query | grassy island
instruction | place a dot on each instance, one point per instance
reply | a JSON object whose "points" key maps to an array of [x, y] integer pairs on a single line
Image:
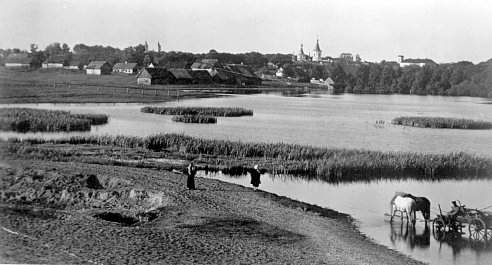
{"points": [[40, 120], [195, 119], [209, 111], [442, 123]]}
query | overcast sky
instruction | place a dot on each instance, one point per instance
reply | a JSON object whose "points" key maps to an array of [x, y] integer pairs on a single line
{"points": [[443, 30]]}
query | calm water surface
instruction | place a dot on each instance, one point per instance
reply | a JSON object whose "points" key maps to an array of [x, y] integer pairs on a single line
{"points": [[340, 121], [368, 203]]}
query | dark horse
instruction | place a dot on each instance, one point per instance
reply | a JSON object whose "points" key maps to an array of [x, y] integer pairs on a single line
{"points": [[422, 204]]}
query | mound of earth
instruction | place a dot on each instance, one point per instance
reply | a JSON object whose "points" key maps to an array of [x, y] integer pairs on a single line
{"points": [[80, 191]]}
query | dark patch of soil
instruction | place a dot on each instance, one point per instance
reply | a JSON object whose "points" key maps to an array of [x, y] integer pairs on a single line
{"points": [[117, 218]]}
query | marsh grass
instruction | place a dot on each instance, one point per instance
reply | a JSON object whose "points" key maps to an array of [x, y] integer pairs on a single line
{"points": [[39, 120], [333, 165], [195, 119], [206, 111], [442, 123]]}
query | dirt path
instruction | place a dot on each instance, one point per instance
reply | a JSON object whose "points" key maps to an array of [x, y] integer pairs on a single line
{"points": [[220, 223]]}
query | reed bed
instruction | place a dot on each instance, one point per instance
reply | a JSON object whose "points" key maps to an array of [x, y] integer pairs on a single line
{"points": [[332, 165], [39, 120], [207, 111], [195, 119], [442, 123]]}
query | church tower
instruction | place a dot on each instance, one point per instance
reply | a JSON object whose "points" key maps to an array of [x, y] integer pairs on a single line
{"points": [[301, 56], [317, 52]]}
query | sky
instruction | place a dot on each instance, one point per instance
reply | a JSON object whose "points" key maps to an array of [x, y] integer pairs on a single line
{"points": [[443, 30]]}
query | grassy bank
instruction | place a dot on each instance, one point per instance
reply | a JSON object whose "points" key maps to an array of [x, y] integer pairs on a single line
{"points": [[39, 120], [195, 119], [208, 111], [332, 165], [442, 123]]}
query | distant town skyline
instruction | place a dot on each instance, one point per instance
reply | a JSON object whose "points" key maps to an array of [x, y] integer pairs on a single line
{"points": [[445, 31]]}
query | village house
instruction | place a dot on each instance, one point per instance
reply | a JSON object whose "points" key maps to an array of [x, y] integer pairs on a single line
{"points": [[98, 68], [18, 61], [54, 62], [200, 76], [154, 76], [210, 65], [126, 68], [413, 62], [75, 64], [224, 77], [243, 74], [180, 76]]}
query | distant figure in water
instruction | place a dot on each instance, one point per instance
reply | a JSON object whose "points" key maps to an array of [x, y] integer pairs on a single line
{"points": [[190, 172], [255, 177]]}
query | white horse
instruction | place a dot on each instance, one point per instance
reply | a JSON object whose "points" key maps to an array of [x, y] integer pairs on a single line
{"points": [[403, 205]]}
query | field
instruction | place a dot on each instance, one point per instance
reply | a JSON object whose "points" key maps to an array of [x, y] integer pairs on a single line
{"points": [[39, 120], [442, 123], [64, 86]]}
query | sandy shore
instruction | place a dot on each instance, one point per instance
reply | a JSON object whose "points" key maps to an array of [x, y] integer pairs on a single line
{"points": [[220, 223]]}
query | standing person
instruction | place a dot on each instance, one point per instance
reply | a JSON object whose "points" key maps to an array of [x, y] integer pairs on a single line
{"points": [[190, 172], [255, 177]]}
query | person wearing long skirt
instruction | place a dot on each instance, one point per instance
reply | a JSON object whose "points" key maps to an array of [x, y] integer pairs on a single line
{"points": [[190, 172], [255, 177]]}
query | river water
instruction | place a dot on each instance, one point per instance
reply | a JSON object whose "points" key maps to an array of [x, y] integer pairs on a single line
{"points": [[336, 121]]}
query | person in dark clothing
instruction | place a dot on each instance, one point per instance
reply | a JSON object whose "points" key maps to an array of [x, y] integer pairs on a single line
{"points": [[255, 177], [190, 172]]}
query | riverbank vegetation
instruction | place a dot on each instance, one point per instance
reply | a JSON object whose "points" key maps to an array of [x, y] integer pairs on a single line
{"points": [[206, 111], [441, 123], [332, 165], [40, 120], [195, 119]]}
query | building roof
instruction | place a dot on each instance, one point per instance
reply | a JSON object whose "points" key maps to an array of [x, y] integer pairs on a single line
{"points": [[20, 58], [425, 61], [242, 70], [123, 66], [316, 48], [200, 74], [205, 64], [96, 64], [154, 72], [180, 73], [59, 58]]}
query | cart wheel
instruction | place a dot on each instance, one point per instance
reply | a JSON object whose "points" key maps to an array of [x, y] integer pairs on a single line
{"points": [[478, 230], [438, 229]]}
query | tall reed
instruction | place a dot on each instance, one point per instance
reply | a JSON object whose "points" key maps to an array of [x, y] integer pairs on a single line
{"points": [[440, 123], [195, 119], [39, 120], [210, 111]]}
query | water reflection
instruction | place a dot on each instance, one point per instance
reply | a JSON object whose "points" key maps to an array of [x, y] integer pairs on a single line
{"points": [[367, 202], [408, 234]]}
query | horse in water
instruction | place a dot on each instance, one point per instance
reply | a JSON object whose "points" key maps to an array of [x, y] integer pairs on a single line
{"points": [[422, 204], [403, 205]]}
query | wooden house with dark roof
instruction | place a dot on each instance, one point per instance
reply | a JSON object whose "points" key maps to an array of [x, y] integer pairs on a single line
{"points": [[244, 74], [54, 62], [153, 76], [18, 61], [126, 68], [181, 76], [224, 77], [200, 76], [210, 65], [98, 68]]}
